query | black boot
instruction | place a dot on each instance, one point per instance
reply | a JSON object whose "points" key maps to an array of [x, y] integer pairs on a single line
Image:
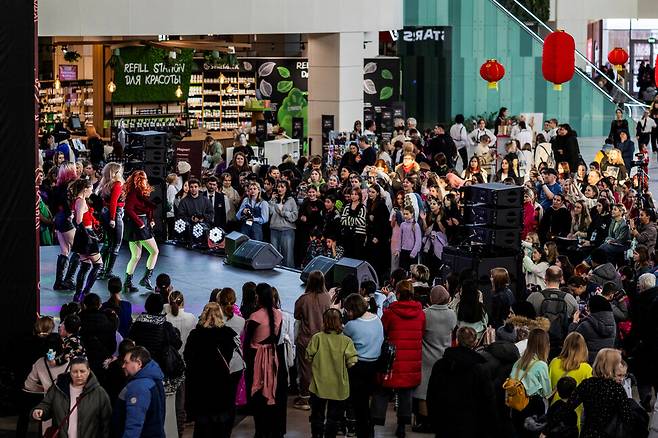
{"points": [[74, 262], [106, 272], [400, 431], [128, 285], [105, 253], [91, 278], [146, 279], [80, 281], [62, 262]]}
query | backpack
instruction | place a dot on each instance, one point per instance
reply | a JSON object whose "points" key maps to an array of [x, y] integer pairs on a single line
{"points": [[516, 396], [555, 309]]}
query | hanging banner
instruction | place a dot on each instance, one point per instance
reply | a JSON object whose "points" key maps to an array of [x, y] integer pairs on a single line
{"points": [[381, 90], [148, 74]]}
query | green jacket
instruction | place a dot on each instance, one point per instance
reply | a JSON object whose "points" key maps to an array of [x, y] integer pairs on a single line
{"points": [[94, 410], [330, 355]]}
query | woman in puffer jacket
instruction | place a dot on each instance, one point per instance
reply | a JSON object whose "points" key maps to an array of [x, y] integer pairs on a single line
{"points": [[598, 328], [404, 324]]}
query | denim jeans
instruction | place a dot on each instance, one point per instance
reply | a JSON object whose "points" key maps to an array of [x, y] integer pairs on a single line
{"points": [[113, 236], [254, 231], [284, 242]]}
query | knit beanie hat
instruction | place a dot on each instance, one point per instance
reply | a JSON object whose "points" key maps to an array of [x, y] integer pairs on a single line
{"points": [[439, 295]]}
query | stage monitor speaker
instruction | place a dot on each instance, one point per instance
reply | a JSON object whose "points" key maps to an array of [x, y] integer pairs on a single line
{"points": [[481, 214], [254, 254], [508, 238], [155, 155], [232, 241], [322, 264], [362, 270], [495, 195], [156, 170], [149, 140], [159, 198]]}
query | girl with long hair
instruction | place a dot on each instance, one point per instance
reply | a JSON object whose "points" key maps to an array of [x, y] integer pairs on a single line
{"points": [[64, 229], [283, 215], [470, 310], [139, 229], [111, 192], [580, 220], [378, 231], [531, 369], [353, 225], [238, 165], [85, 242], [253, 213], [266, 373]]}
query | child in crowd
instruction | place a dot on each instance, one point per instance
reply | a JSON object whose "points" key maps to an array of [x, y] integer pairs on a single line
{"points": [[330, 353], [373, 297], [71, 345], [562, 422], [410, 241], [163, 286]]}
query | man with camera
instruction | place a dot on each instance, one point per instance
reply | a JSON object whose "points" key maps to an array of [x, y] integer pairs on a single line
{"points": [[195, 209]]}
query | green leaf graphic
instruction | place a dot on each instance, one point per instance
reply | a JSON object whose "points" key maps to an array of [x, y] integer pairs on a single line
{"points": [[284, 86], [386, 74], [386, 93], [283, 72]]}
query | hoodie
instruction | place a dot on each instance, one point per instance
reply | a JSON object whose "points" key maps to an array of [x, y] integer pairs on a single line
{"points": [[140, 409], [404, 324], [601, 274], [599, 331]]}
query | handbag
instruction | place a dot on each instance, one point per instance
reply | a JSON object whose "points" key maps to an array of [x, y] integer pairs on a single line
{"points": [[386, 359], [53, 431], [173, 363], [616, 428]]}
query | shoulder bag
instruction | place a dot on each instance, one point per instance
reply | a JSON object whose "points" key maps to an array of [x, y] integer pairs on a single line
{"points": [[53, 431]]}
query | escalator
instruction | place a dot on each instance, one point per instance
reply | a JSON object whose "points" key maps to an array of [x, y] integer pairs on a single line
{"points": [[615, 95]]}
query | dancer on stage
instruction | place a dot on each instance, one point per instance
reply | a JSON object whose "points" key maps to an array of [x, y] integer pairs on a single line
{"points": [[111, 192], [139, 232], [64, 229], [86, 241]]}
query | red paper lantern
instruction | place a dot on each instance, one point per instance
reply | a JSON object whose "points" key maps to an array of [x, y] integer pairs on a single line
{"points": [[558, 62], [618, 57], [656, 71], [492, 71]]}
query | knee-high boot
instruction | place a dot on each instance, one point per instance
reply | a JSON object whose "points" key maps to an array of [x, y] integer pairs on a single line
{"points": [[62, 262], [106, 272], [80, 281], [74, 262], [91, 278]]}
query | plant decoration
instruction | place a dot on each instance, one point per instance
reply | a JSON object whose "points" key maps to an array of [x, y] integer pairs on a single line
{"points": [[115, 60], [489, 118], [216, 59], [71, 56], [369, 86]]}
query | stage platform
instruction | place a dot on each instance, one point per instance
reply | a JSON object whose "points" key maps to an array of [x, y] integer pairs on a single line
{"points": [[194, 273]]}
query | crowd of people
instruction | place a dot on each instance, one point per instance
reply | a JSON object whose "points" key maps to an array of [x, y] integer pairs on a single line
{"points": [[568, 353]]}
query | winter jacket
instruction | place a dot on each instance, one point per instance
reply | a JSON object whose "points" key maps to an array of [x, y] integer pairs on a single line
{"points": [[618, 233], [601, 274], [460, 396], [440, 321], [404, 324], [155, 333], [501, 303], [98, 336], [353, 221], [411, 238], [94, 410], [140, 409], [599, 330], [565, 148], [283, 216], [499, 358], [508, 332], [207, 389]]}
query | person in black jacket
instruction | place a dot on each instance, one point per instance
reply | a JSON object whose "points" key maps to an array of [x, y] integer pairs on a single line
{"points": [[460, 394], [499, 359], [618, 125], [556, 221], [97, 333], [152, 331], [565, 146], [209, 385], [115, 377], [378, 231]]}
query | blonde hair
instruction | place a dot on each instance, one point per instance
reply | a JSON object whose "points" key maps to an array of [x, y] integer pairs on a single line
{"points": [[112, 173], [574, 352], [538, 345], [212, 316], [534, 237], [606, 363]]}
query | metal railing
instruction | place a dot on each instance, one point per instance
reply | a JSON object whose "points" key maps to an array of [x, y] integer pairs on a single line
{"points": [[633, 107]]}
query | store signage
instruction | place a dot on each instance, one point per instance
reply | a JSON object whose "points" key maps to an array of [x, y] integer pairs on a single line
{"points": [[414, 34], [148, 74], [68, 72]]}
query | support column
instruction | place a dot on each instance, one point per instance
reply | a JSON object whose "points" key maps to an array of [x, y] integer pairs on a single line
{"points": [[335, 82]]}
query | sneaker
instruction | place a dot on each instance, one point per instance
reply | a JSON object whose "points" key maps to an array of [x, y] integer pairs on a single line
{"points": [[341, 431], [301, 404], [351, 432]]}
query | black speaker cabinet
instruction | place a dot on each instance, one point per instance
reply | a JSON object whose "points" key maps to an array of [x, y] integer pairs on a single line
{"points": [[155, 155], [362, 270], [254, 254], [495, 195], [155, 170], [159, 198], [508, 238], [322, 264], [232, 241], [481, 214], [149, 140]]}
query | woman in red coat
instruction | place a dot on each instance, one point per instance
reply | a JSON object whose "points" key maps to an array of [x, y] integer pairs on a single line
{"points": [[404, 324]]}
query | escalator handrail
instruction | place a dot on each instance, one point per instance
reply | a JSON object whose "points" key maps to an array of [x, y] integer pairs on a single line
{"points": [[631, 101]]}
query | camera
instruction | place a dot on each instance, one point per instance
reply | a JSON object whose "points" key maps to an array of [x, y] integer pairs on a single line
{"points": [[640, 159]]}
